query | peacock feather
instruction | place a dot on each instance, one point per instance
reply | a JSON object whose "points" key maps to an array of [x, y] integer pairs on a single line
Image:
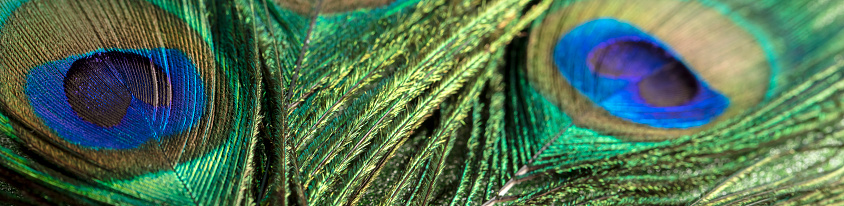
{"points": [[421, 102]]}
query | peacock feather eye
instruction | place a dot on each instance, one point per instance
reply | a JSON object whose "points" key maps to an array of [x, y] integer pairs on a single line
{"points": [[136, 96], [634, 76], [642, 70], [121, 89], [117, 99]]}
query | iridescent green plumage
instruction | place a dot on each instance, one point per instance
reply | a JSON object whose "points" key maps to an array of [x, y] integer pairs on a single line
{"points": [[429, 103]]}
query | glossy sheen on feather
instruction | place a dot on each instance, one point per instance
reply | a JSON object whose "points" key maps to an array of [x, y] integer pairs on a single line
{"points": [[421, 102]]}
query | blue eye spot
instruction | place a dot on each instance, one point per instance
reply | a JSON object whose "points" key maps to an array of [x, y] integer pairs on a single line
{"points": [[634, 76], [117, 99]]}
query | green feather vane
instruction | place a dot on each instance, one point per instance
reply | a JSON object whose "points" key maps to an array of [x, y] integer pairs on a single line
{"points": [[421, 102]]}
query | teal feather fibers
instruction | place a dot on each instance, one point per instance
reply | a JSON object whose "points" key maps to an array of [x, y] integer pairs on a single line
{"points": [[430, 102]]}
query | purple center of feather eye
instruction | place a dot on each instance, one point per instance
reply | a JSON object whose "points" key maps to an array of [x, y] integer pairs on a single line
{"points": [[634, 76], [100, 88], [663, 80]]}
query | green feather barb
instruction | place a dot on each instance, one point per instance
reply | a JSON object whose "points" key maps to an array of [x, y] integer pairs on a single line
{"points": [[421, 102]]}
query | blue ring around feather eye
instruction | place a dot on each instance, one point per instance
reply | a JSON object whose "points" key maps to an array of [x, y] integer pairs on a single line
{"points": [[141, 123], [638, 57]]}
